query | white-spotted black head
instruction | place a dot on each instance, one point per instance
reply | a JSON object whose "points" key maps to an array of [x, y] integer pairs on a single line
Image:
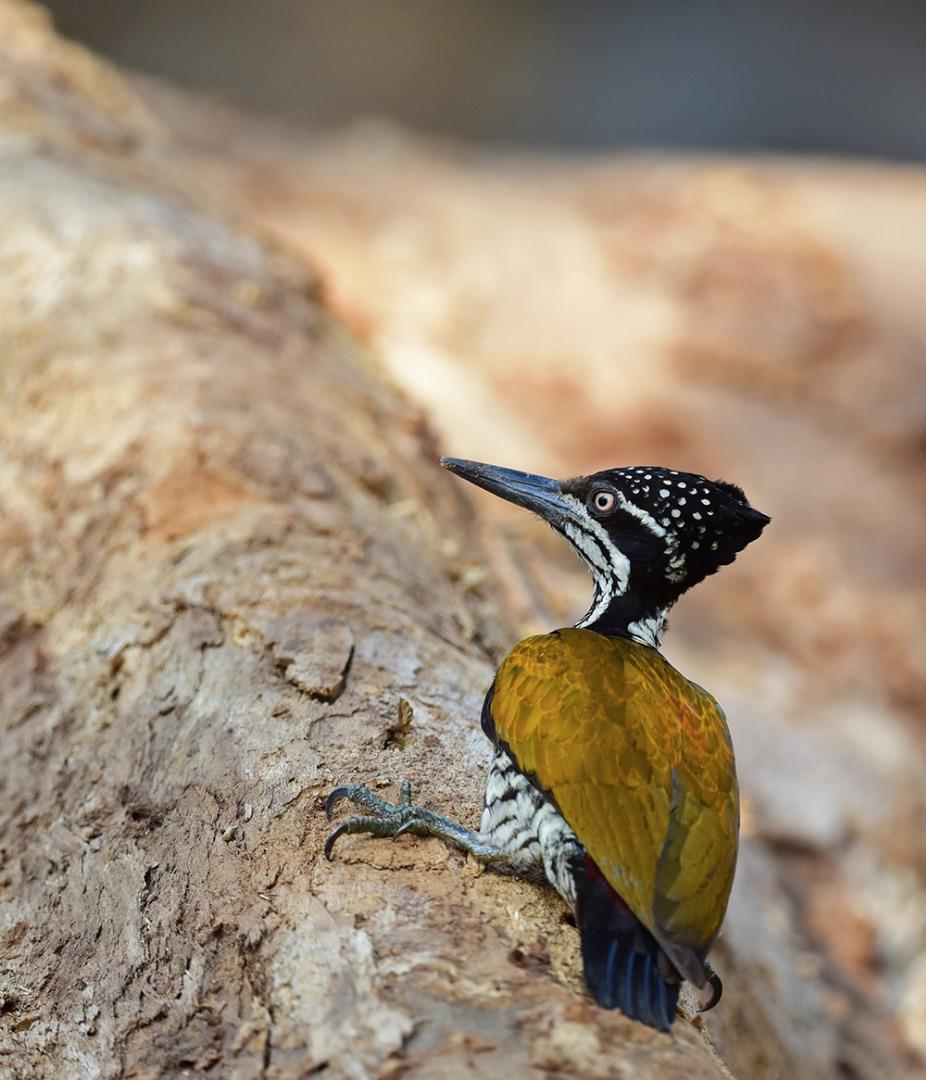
{"points": [[647, 534]]}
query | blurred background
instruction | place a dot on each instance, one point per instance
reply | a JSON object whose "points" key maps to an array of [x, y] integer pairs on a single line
{"points": [[822, 77], [619, 233]]}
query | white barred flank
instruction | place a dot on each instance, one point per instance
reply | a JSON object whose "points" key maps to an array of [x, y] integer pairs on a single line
{"points": [[518, 819]]}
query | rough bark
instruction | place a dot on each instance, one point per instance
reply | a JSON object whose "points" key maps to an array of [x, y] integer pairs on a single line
{"points": [[232, 577]]}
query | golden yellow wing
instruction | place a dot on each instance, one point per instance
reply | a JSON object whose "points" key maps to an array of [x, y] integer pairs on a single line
{"points": [[639, 762]]}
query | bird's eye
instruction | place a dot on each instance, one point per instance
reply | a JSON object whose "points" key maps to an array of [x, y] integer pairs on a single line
{"points": [[603, 501]]}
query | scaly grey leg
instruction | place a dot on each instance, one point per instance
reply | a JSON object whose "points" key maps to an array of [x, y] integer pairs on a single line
{"points": [[386, 819]]}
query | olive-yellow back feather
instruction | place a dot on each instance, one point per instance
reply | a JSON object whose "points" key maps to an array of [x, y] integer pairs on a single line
{"points": [[639, 762]]}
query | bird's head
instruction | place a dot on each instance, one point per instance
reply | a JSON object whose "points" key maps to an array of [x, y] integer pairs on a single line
{"points": [[647, 534]]}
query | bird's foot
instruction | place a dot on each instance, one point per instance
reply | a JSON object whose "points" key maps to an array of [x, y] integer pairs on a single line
{"points": [[384, 818]]}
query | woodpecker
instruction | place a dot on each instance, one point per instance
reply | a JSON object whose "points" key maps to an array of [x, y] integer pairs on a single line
{"points": [[610, 769]]}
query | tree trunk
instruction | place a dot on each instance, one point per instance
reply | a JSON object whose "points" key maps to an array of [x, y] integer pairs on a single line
{"points": [[231, 581], [233, 576]]}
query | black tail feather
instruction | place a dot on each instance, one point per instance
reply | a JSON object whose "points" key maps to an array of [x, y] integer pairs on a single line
{"points": [[621, 957]]}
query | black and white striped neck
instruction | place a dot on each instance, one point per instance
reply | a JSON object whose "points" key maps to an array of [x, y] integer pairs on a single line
{"points": [[616, 609], [624, 616]]}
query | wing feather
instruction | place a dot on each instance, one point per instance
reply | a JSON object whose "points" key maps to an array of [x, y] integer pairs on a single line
{"points": [[639, 762]]}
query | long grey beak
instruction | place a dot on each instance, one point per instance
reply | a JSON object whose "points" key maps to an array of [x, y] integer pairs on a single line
{"points": [[538, 493]]}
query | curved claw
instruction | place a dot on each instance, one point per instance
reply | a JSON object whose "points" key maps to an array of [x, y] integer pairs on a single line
{"points": [[332, 837], [406, 826], [334, 798], [716, 985]]}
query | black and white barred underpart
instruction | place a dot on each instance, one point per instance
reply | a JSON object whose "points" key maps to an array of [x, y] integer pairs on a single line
{"points": [[519, 820], [623, 963]]}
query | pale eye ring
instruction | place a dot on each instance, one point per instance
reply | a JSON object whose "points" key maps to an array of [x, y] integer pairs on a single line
{"points": [[603, 501]]}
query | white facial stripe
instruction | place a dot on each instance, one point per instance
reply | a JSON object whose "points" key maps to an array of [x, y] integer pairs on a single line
{"points": [[591, 536], [641, 515], [587, 546], [610, 567], [596, 611]]}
